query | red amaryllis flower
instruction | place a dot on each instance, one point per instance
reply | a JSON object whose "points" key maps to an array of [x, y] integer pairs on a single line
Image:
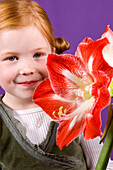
{"points": [[76, 90]]}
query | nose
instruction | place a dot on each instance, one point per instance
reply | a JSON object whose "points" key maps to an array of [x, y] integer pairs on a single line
{"points": [[27, 68], [26, 72]]}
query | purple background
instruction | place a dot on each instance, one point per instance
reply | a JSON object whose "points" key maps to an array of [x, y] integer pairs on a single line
{"points": [[74, 20]]}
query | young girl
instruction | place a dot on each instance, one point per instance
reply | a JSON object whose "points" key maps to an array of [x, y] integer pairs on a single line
{"points": [[27, 134]]}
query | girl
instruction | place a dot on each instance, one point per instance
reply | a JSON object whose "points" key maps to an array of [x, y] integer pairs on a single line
{"points": [[27, 134]]}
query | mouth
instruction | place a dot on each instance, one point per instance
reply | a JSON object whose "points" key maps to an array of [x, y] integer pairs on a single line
{"points": [[28, 83]]}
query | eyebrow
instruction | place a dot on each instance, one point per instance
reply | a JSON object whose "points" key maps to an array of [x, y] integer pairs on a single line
{"points": [[7, 53], [16, 53], [41, 48]]}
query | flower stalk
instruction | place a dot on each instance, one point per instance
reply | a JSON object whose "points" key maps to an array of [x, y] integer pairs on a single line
{"points": [[107, 148]]}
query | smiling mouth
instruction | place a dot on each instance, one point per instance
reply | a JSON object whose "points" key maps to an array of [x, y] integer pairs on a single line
{"points": [[28, 83]]}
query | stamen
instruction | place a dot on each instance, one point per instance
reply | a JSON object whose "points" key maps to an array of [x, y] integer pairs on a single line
{"points": [[60, 111], [53, 113], [65, 111], [60, 108]]}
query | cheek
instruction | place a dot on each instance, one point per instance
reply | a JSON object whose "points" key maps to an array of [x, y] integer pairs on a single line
{"points": [[45, 72], [5, 77], [4, 80], [42, 68]]}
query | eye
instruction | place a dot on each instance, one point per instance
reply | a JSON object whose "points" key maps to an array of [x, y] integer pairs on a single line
{"points": [[13, 58], [37, 55]]}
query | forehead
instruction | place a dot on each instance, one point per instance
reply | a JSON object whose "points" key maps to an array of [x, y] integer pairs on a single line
{"points": [[29, 36]]}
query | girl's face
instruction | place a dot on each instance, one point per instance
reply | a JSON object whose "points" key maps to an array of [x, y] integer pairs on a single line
{"points": [[23, 55]]}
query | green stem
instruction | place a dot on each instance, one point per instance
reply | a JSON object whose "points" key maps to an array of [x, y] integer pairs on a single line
{"points": [[106, 150]]}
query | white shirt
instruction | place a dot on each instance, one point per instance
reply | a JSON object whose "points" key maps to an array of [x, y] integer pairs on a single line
{"points": [[36, 123], [91, 149]]}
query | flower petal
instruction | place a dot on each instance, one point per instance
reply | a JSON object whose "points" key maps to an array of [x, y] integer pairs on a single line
{"points": [[108, 34], [101, 79], [91, 52], [65, 134], [50, 102], [102, 99], [93, 123], [108, 50], [108, 54], [70, 129], [65, 73]]}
